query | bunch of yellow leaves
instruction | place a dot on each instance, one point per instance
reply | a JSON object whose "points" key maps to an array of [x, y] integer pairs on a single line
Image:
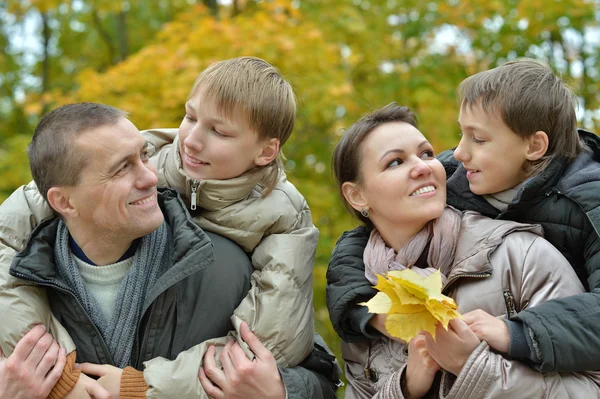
{"points": [[413, 303]]}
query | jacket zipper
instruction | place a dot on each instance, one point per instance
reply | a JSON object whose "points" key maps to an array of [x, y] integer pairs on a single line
{"points": [[469, 275], [193, 197], [68, 291], [509, 300]]}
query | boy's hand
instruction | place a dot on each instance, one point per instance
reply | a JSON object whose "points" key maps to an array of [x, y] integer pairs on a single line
{"points": [[88, 388], [452, 348], [110, 376], [420, 368], [34, 367], [490, 329]]}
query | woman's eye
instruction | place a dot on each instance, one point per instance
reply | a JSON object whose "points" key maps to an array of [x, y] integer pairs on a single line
{"points": [[395, 162], [427, 154]]}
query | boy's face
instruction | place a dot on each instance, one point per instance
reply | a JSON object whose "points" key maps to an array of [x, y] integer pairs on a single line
{"points": [[490, 152], [215, 147]]}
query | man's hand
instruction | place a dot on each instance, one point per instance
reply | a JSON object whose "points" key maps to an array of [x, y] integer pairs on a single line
{"points": [[110, 376], [34, 367], [420, 368], [452, 348], [241, 377], [490, 329], [87, 388]]}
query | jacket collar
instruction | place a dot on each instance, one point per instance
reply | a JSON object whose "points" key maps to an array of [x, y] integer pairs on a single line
{"points": [[213, 195], [479, 237], [36, 260]]}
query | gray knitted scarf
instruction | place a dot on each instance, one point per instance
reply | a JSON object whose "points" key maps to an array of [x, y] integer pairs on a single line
{"points": [[153, 256]]}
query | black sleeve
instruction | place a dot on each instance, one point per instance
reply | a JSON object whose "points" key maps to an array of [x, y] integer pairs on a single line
{"points": [[347, 286]]}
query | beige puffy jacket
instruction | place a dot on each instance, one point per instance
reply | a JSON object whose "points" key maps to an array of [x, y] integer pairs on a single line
{"points": [[501, 267], [277, 230]]}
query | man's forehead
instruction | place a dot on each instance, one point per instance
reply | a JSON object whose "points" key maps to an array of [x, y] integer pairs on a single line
{"points": [[106, 143]]}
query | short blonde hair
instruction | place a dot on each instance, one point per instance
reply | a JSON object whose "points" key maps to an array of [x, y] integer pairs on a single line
{"points": [[256, 90]]}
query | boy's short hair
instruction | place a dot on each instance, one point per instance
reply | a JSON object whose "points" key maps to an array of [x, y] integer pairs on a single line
{"points": [[255, 89], [346, 158], [54, 158], [529, 98]]}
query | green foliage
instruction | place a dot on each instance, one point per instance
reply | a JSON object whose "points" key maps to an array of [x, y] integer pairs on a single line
{"points": [[343, 58]]}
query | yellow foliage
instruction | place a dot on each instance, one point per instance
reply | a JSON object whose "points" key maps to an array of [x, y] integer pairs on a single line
{"points": [[412, 303]]}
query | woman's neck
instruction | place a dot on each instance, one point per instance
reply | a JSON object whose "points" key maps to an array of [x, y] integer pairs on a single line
{"points": [[396, 236]]}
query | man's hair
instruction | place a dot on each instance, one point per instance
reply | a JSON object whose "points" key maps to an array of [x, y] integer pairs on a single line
{"points": [[256, 90], [528, 97], [346, 158], [54, 158]]}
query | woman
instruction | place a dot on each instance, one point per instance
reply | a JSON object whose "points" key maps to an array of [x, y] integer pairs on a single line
{"points": [[389, 178]]}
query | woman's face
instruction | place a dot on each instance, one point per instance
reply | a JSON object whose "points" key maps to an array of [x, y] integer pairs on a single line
{"points": [[403, 184]]}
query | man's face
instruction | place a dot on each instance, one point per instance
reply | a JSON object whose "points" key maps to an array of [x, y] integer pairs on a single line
{"points": [[116, 194]]}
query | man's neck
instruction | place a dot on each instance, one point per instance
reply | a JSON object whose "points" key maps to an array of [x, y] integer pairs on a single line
{"points": [[100, 249]]}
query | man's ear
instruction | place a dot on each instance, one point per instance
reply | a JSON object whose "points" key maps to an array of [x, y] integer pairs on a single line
{"points": [[354, 196], [268, 153], [538, 145], [58, 198]]}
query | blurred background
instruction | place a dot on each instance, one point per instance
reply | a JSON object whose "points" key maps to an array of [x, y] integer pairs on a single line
{"points": [[343, 57]]}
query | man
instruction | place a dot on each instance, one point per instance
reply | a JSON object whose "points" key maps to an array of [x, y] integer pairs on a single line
{"points": [[128, 274]]}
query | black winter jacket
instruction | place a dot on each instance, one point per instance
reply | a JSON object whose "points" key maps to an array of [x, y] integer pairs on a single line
{"points": [[562, 335]]}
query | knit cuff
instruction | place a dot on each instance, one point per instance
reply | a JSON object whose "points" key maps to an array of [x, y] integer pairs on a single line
{"points": [[518, 347], [133, 385], [67, 380]]}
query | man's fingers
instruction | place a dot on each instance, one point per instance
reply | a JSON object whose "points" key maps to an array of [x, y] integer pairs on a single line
{"points": [[210, 388], [28, 342], [54, 375], [210, 368], [98, 370], [228, 366], [50, 357], [254, 343]]}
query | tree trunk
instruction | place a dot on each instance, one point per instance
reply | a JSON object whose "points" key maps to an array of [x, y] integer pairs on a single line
{"points": [[46, 43], [122, 32], [105, 37], [212, 5]]}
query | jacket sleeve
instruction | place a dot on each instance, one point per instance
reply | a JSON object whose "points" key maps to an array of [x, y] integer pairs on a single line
{"points": [[489, 374], [316, 377], [450, 163], [559, 330], [279, 305], [22, 302], [347, 286]]}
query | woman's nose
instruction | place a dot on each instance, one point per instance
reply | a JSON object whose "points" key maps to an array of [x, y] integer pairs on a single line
{"points": [[421, 168]]}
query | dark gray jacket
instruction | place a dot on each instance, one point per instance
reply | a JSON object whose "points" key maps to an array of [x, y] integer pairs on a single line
{"points": [[182, 300]]}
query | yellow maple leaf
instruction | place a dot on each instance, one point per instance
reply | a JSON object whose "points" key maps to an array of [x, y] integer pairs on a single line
{"points": [[412, 303]]}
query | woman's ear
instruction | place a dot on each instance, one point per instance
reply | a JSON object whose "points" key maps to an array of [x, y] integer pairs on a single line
{"points": [[538, 146], [268, 153], [354, 196]]}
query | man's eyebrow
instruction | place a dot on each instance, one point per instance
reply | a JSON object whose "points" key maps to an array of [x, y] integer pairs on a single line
{"points": [[125, 158]]}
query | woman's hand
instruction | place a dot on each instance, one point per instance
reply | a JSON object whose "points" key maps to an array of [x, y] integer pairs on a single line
{"points": [[420, 368], [490, 329], [378, 323], [452, 348]]}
